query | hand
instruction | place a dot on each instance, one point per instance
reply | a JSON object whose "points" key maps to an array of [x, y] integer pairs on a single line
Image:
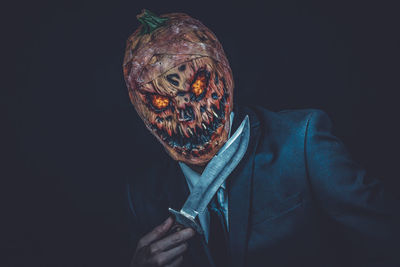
{"points": [[157, 248]]}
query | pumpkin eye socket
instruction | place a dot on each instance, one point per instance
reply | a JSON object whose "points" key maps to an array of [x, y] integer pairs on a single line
{"points": [[199, 84], [159, 102]]}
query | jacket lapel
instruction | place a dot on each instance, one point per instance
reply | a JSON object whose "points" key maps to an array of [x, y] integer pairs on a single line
{"points": [[239, 190], [176, 186]]}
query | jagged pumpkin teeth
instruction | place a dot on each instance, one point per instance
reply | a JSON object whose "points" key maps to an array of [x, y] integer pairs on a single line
{"points": [[169, 132], [205, 118], [180, 130], [215, 114], [186, 132]]}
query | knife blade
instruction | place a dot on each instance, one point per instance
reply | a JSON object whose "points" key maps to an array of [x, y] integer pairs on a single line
{"points": [[213, 176]]}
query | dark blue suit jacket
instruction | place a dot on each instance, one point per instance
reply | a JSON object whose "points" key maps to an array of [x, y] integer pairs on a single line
{"points": [[295, 199]]}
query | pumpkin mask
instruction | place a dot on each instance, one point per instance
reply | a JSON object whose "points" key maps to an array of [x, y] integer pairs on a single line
{"points": [[180, 84]]}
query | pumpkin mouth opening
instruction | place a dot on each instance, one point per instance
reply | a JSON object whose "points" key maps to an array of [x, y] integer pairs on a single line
{"points": [[199, 139]]}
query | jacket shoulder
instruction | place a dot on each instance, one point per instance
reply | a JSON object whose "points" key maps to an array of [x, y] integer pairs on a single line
{"points": [[290, 117], [285, 124]]}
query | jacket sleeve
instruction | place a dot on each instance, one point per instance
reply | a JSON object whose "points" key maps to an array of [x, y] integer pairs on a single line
{"points": [[365, 220]]}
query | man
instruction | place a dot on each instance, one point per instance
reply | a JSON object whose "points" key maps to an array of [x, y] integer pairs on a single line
{"points": [[289, 195]]}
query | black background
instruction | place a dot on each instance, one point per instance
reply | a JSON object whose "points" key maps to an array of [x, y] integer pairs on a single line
{"points": [[71, 136]]}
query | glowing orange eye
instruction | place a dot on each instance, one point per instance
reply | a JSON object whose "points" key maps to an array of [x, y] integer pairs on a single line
{"points": [[159, 101], [199, 85]]}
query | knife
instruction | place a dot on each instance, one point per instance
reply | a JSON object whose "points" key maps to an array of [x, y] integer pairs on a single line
{"points": [[213, 177]]}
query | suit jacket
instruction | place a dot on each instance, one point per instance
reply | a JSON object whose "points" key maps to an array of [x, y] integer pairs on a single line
{"points": [[295, 199]]}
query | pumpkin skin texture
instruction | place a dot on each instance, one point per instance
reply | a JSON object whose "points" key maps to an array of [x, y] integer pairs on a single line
{"points": [[181, 85]]}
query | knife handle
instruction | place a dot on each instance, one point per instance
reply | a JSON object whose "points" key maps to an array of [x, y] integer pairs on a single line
{"points": [[185, 221]]}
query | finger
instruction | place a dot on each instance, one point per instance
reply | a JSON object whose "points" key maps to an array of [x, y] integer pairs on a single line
{"points": [[156, 233], [176, 228], [173, 240], [169, 256], [175, 263]]}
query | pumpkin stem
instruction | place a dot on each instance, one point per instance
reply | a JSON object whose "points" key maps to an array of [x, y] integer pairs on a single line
{"points": [[150, 21]]}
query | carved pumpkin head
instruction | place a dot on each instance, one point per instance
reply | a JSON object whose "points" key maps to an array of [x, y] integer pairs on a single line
{"points": [[180, 84]]}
